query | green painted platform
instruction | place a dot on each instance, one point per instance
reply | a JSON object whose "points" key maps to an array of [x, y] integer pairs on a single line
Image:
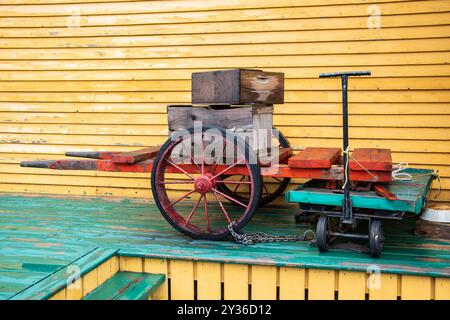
{"points": [[40, 236]]}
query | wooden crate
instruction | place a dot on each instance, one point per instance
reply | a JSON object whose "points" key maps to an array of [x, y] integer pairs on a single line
{"points": [[238, 86], [247, 121]]}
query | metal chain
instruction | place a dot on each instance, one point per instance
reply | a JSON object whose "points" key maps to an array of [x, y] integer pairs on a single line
{"points": [[259, 237]]}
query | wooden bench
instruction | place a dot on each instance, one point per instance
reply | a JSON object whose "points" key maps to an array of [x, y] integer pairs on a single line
{"points": [[127, 286]]}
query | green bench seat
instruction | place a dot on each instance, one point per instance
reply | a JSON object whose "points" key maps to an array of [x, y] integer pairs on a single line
{"points": [[127, 286]]}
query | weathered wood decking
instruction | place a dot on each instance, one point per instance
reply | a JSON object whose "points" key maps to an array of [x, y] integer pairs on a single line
{"points": [[41, 235]]}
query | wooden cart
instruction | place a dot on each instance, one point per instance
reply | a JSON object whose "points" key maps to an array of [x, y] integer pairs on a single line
{"points": [[223, 177]]}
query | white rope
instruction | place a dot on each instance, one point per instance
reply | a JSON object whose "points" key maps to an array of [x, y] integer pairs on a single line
{"points": [[346, 151], [398, 174]]}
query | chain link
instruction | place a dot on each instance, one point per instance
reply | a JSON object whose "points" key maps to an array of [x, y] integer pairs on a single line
{"points": [[259, 237]]}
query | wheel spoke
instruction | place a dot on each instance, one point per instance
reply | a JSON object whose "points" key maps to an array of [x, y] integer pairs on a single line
{"points": [[208, 223], [180, 169], [233, 182], [279, 180], [265, 187], [176, 182], [222, 207], [193, 161], [237, 187], [228, 168], [203, 155], [181, 198], [193, 211], [229, 198]]}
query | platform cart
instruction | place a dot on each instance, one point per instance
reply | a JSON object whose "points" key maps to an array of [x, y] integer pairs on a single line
{"points": [[224, 171]]}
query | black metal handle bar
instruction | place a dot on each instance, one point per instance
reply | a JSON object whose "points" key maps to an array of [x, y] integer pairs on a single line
{"points": [[345, 73]]}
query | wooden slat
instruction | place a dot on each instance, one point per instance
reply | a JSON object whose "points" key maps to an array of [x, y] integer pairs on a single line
{"points": [[61, 295], [371, 159], [351, 285], [416, 288], [90, 281], [321, 284], [292, 283], [391, 71], [159, 266], [132, 264], [158, 6], [383, 286], [150, 26], [232, 15], [315, 158], [235, 279], [209, 279], [442, 289], [182, 280], [264, 282], [75, 290]]}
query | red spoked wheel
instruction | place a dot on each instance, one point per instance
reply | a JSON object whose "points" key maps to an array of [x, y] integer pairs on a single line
{"points": [[272, 187], [185, 176]]}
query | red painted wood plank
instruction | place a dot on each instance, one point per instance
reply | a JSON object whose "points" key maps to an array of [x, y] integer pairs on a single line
{"points": [[315, 158], [135, 156], [371, 159], [382, 191], [118, 156]]}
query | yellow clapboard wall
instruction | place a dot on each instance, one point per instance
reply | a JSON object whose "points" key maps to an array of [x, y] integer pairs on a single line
{"points": [[98, 74]]}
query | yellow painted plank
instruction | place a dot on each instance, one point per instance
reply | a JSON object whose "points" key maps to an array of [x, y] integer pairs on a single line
{"points": [[104, 271], [231, 50], [209, 280], [383, 286], [405, 83], [407, 121], [351, 285], [224, 62], [115, 266], [61, 295], [442, 289], [181, 280], [75, 290], [133, 264], [314, 96], [264, 282], [390, 71], [236, 280], [216, 27], [158, 266], [90, 281], [321, 284], [292, 283], [159, 6], [411, 20], [287, 108], [416, 287], [231, 15]]}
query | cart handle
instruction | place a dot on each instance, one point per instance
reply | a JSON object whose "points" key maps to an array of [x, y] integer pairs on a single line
{"points": [[345, 73]]}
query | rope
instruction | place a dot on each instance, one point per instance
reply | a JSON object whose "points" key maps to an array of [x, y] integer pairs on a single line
{"points": [[347, 152]]}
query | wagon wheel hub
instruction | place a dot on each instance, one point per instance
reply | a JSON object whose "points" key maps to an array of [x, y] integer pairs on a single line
{"points": [[204, 184]]}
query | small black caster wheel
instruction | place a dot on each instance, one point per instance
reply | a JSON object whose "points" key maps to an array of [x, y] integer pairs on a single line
{"points": [[376, 238], [322, 234]]}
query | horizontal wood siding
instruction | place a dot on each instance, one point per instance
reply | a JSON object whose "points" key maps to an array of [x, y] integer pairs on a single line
{"points": [[106, 84]]}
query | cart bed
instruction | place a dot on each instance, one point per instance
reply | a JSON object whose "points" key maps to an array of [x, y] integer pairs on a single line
{"points": [[411, 194]]}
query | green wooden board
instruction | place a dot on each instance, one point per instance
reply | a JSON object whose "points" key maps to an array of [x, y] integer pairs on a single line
{"points": [[127, 286], [42, 235]]}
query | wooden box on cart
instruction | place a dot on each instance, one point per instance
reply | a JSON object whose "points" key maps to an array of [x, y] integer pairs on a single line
{"points": [[237, 86]]}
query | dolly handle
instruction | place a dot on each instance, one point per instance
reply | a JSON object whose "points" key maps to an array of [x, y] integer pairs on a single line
{"points": [[345, 73]]}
